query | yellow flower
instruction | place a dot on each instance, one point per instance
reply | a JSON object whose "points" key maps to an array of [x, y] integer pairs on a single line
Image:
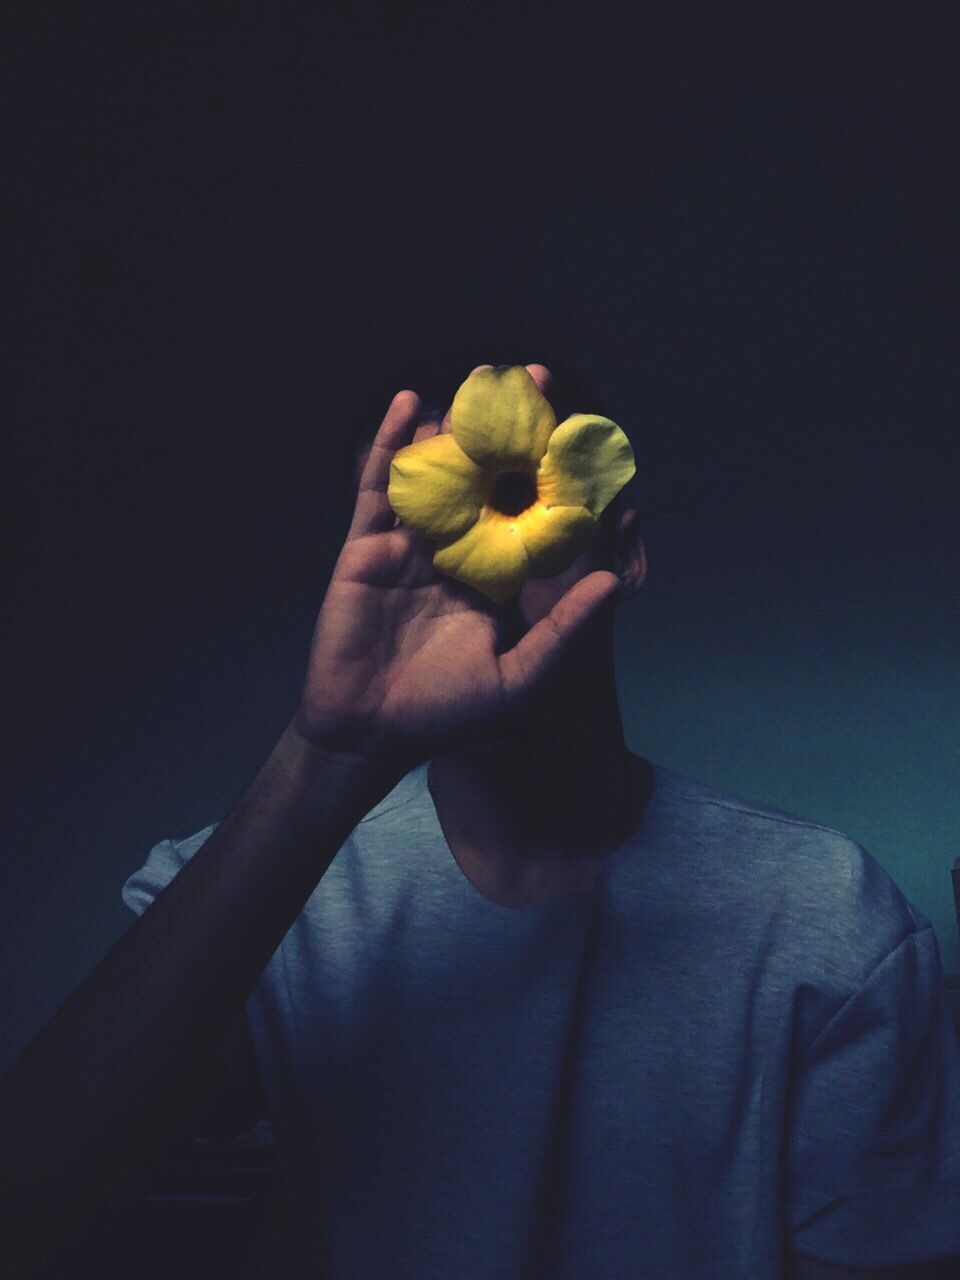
{"points": [[507, 493]]}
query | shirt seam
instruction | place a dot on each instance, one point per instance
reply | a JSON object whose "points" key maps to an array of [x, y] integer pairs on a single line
{"points": [[927, 928], [765, 814], [382, 813]]}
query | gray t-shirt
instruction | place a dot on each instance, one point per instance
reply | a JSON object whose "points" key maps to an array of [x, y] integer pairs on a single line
{"points": [[737, 1042]]}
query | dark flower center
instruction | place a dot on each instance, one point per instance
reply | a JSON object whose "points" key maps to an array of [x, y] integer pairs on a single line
{"points": [[513, 492]]}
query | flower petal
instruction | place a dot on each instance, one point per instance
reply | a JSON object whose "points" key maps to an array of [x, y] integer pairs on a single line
{"points": [[501, 418], [555, 536], [588, 461], [435, 488], [490, 557]]}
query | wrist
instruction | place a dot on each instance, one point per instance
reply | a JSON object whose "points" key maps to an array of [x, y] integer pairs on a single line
{"points": [[356, 773]]}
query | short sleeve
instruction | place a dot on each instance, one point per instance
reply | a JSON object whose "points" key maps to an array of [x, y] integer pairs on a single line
{"points": [[163, 862], [873, 1132]]}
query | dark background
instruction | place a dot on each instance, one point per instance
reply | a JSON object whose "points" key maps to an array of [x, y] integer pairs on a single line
{"points": [[240, 228]]}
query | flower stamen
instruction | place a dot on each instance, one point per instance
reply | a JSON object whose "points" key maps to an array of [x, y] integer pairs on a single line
{"points": [[512, 492]]}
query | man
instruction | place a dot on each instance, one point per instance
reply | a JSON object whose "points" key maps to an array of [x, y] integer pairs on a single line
{"points": [[523, 1003]]}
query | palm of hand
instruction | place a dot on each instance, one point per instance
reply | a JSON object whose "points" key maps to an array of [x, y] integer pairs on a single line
{"points": [[399, 653]]}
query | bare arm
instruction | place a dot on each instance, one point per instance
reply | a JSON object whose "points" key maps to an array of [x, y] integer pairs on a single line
{"points": [[402, 665], [121, 1070]]}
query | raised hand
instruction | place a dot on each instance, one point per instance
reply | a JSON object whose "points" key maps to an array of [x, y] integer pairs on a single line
{"points": [[405, 662]]}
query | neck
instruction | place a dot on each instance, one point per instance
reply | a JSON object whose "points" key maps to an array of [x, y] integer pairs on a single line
{"points": [[533, 808]]}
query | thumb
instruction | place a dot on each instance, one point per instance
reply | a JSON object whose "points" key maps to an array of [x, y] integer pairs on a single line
{"points": [[535, 654]]}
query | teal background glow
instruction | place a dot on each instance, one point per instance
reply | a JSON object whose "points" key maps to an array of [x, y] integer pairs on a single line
{"points": [[818, 688]]}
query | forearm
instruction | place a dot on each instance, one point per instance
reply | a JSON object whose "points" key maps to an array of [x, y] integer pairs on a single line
{"points": [[115, 1075]]}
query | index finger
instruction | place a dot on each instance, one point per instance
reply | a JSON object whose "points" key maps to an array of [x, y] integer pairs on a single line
{"points": [[372, 512]]}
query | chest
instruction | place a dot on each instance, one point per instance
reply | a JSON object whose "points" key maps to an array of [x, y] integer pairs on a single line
{"points": [[466, 1084]]}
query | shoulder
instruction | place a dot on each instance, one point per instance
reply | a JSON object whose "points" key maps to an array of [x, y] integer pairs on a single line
{"points": [[832, 907]]}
